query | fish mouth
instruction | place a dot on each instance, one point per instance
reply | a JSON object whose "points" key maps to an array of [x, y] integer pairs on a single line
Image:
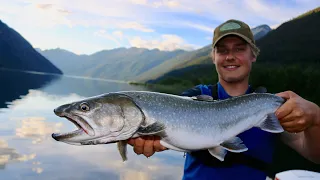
{"points": [[79, 122]]}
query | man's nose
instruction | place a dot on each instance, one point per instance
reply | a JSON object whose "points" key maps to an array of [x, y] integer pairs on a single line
{"points": [[230, 56]]}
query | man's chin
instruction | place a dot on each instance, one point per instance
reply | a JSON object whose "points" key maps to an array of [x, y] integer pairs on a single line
{"points": [[233, 79]]}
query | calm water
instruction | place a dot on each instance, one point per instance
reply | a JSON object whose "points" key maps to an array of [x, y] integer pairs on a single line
{"points": [[27, 121]]}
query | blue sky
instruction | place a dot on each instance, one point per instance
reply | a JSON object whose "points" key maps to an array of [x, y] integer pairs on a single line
{"points": [[85, 27]]}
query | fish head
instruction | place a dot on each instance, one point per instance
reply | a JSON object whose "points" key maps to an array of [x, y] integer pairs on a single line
{"points": [[103, 119]]}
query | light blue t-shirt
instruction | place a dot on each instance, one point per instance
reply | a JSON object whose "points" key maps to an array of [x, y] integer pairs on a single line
{"points": [[260, 145]]}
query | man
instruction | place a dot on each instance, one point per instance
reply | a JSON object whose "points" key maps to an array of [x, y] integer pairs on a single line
{"points": [[233, 53]]}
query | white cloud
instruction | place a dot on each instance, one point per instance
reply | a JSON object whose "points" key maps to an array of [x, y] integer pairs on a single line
{"points": [[135, 16], [166, 3], [135, 26], [166, 42], [118, 34], [104, 34], [199, 26], [45, 15], [141, 2]]}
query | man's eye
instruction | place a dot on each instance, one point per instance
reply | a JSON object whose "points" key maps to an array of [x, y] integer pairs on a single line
{"points": [[240, 49], [222, 51]]}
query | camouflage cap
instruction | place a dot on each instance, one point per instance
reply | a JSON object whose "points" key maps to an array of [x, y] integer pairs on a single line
{"points": [[234, 27]]}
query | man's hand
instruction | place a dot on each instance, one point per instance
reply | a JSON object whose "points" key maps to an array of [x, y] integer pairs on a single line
{"points": [[297, 114], [146, 145]]}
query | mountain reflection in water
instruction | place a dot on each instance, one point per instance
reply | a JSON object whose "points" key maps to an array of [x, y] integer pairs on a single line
{"points": [[27, 121]]}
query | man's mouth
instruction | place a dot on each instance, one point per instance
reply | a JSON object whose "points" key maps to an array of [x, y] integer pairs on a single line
{"points": [[231, 67]]}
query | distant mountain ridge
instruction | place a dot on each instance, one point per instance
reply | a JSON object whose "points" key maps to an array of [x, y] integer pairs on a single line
{"points": [[119, 63], [17, 53], [138, 64]]}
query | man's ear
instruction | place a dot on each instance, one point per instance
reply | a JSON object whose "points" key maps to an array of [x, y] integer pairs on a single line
{"points": [[212, 56]]}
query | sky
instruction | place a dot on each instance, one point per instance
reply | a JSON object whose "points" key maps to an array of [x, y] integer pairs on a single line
{"points": [[86, 27]]}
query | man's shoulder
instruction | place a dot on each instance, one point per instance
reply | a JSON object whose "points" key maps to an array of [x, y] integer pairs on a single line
{"points": [[199, 90]]}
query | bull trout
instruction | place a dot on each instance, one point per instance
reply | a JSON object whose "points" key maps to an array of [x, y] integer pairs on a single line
{"points": [[184, 124]]}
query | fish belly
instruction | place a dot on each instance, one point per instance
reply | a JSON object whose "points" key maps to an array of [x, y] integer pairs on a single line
{"points": [[189, 140]]}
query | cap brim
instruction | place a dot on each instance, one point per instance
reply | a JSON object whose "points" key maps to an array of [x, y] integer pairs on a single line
{"points": [[233, 33]]}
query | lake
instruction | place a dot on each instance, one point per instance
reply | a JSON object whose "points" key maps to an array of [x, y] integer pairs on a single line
{"points": [[27, 121]]}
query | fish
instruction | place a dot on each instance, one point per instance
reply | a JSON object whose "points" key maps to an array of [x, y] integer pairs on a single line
{"points": [[184, 124]]}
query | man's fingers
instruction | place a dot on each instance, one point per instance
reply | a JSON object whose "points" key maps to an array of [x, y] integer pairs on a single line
{"points": [[157, 146], [148, 149], [131, 141], [138, 145], [288, 125], [287, 94], [284, 110]]}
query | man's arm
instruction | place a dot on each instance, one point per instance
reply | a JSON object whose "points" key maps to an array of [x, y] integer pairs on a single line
{"points": [[301, 119]]}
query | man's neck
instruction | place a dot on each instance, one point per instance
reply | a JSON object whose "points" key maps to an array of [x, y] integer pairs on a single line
{"points": [[235, 89]]}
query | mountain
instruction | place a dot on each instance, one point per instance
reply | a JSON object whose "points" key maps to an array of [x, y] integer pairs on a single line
{"points": [[17, 53], [295, 41], [67, 61], [119, 63], [200, 56], [261, 31]]}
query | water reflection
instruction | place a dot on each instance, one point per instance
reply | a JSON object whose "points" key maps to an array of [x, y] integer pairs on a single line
{"points": [[10, 155], [26, 124], [37, 129], [16, 84]]}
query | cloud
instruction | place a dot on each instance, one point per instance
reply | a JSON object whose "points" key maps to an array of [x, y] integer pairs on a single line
{"points": [[166, 42], [43, 15], [118, 34], [141, 2], [10, 155], [44, 6], [136, 26], [166, 3], [104, 34], [35, 17], [198, 26]]}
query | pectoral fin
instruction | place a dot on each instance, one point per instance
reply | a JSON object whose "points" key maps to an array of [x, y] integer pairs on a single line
{"points": [[152, 129], [271, 124], [234, 145], [122, 148], [218, 152]]}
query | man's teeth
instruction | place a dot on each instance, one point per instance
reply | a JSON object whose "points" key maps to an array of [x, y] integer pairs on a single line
{"points": [[231, 66]]}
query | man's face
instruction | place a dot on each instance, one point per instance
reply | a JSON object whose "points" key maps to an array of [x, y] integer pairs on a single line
{"points": [[233, 58]]}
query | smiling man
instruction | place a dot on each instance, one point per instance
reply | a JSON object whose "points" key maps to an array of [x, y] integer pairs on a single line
{"points": [[233, 53]]}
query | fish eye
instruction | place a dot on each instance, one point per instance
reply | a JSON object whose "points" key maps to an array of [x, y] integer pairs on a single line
{"points": [[84, 107]]}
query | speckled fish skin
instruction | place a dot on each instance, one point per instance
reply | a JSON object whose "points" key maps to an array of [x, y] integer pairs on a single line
{"points": [[185, 124], [193, 125]]}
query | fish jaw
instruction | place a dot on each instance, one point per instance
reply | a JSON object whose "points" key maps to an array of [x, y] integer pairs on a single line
{"points": [[71, 137], [84, 131]]}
